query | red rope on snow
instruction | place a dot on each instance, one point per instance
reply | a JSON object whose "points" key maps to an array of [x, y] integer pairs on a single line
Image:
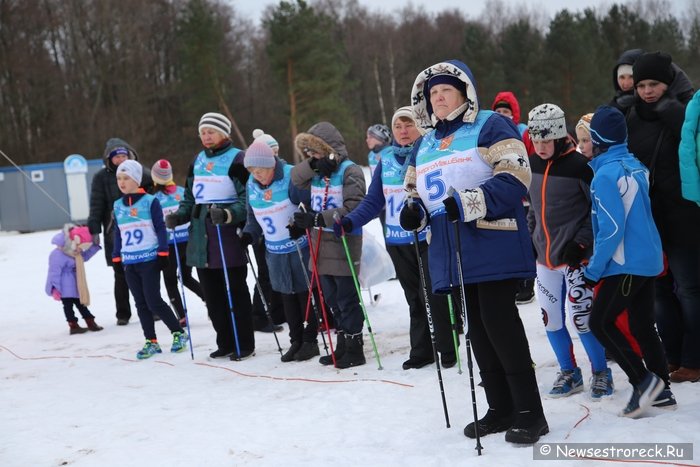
{"points": [[588, 414], [239, 373]]}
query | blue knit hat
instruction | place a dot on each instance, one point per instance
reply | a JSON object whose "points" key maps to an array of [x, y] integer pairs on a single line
{"points": [[608, 127]]}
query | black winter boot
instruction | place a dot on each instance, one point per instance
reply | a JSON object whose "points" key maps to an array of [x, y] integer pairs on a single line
{"points": [[500, 414], [492, 422], [530, 422], [307, 351], [289, 354], [75, 328], [339, 350], [354, 354]]}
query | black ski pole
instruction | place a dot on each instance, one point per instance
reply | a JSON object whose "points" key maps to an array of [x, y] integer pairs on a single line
{"points": [[182, 290], [458, 252], [429, 314], [263, 299]]}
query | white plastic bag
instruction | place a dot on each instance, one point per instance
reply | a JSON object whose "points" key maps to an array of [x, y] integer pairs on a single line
{"points": [[375, 264]]}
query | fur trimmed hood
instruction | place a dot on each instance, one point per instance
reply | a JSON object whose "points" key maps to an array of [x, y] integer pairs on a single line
{"points": [[423, 111], [322, 138]]}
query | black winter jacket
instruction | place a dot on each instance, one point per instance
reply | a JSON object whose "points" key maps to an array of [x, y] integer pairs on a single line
{"points": [[104, 192], [654, 137]]}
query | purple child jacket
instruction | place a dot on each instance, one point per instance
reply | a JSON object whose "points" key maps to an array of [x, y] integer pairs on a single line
{"points": [[62, 274]]}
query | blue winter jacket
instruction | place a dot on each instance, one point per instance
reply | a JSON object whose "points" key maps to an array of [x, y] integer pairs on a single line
{"points": [[689, 151], [498, 246], [626, 240]]}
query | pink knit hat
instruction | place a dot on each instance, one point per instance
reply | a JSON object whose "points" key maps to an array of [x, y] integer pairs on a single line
{"points": [[162, 172]]}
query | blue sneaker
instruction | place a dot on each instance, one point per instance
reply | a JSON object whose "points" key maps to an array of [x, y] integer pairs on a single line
{"points": [[643, 395], [149, 349], [601, 384], [179, 341], [568, 382], [665, 400]]}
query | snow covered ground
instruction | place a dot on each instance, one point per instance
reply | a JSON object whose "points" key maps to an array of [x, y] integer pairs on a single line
{"points": [[85, 400]]}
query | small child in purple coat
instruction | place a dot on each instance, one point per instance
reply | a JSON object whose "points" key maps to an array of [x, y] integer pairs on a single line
{"points": [[66, 278]]}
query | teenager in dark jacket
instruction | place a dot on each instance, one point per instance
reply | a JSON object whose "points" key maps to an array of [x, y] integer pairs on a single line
{"points": [[560, 224], [623, 82], [654, 122], [104, 192]]}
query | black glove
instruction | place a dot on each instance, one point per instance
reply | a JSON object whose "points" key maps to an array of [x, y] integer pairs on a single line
{"points": [[573, 253], [411, 217], [96, 239], [451, 208], [171, 221], [345, 225], [307, 220], [246, 239], [163, 262], [218, 216], [295, 232], [118, 267], [590, 283], [326, 166]]}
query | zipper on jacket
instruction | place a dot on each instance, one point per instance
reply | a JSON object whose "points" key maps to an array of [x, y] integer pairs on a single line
{"points": [[543, 191]]}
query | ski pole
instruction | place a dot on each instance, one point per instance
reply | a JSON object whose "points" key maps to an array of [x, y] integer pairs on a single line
{"points": [[455, 337], [228, 292], [336, 218], [262, 299], [463, 297], [429, 315], [182, 292], [311, 299], [314, 275]]}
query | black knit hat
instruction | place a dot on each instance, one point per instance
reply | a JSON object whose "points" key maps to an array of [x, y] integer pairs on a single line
{"points": [[653, 65]]}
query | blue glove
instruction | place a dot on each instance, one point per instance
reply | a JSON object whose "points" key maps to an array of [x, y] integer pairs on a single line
{"points": [[342, 227]]}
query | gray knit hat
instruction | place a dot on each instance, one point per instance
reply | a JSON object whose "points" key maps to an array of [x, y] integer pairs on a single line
{"points": [[259, 154]]}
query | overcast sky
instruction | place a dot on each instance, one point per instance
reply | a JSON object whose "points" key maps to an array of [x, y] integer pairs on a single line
{"points": [[253, 9]]}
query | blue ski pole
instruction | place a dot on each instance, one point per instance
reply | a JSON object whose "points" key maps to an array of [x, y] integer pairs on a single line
{"points": [[228, 292]]}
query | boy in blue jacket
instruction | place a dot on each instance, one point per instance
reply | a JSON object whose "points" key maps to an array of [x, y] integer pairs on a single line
{"points": [[626, 258], [141, 249]]}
